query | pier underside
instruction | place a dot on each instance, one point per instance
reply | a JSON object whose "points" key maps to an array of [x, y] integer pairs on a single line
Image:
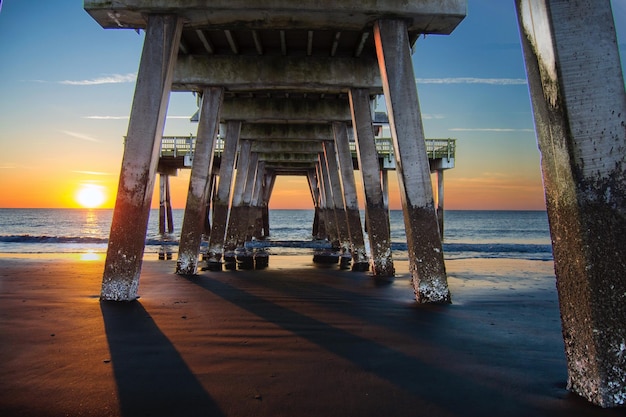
{"points": [[291, 80]]}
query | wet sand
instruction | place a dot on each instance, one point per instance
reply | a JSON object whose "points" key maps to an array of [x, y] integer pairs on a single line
{"points": [[292, 340]]}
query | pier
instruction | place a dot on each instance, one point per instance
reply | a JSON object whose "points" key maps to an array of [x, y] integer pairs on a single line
{"points": [[294, 157], [283, 71]]}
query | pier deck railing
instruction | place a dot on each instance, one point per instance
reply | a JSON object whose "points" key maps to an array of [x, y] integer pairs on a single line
{"points": [[181, 146]]}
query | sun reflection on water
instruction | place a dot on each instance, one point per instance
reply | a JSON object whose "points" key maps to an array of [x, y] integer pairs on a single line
{"points": [[90, 256]]}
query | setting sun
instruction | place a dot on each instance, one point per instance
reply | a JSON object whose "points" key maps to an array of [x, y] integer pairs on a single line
{"points": [[90, 196]]}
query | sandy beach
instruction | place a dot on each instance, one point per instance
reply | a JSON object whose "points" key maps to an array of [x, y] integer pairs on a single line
{"points": [[291, 340]]}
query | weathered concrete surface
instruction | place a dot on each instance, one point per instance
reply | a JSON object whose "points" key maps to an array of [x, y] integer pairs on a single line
{"points": [[195, 209], [353, 218], [422, 232], [281, 110], [427, 16], [222, 196], [238, 214], [165, 205], [259, 73], [141, 154], [440, 201], [579, 104], [376, 213], [328, 206], [285, 132], [330, 157]]}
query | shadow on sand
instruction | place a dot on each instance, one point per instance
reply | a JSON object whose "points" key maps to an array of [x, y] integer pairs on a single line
{"points": [[152, 378]]}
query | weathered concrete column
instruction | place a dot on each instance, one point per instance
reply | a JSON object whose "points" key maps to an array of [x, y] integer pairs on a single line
{"points": [[330, 218], [236, 219], [199, 182], [376, 214], [338, 206], [355, 228], [141, 154], [256, 205], [440, 205], [165, 205], [246, 201], [579, 103], [268, 187], [319, 227], [222, 196], [384, 183], [426, 262]]}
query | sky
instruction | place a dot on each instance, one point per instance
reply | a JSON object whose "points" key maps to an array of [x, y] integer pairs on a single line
{"points": [[66, 88]]}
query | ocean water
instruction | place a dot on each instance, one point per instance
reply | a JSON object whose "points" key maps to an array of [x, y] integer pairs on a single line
{"points": [[468, 234]]}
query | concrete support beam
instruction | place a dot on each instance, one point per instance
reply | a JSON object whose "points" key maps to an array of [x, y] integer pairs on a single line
{"points": [[287, 146], [440, 205], [262, 73], [165, 205], [248, 194], [237, 219], [422, 232], [319, 228], [266, 110], [285, 132], [353, 218], [579, 103], [256, 205], [330, 157], [376, 214], [268, 187], [222, 196], [141, 154], [199, 182], [330, 217], [424, 16]]}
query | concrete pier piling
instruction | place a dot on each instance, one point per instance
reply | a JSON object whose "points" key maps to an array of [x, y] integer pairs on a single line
{"points": [[222, 197], [166, 221], [422, 231], [579, 104], [339, 210], [376, 213], [199, 183], [141, 153], [353, 218], [237, 219]]}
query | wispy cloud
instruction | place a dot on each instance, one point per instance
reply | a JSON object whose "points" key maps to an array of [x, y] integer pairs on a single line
{"points": [[432, 116], [108, 79], [472, 80], [106, 117], [80, 136], [488, 129], [96, 117]]}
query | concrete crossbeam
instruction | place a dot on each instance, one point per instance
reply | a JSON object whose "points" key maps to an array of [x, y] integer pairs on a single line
{"points": [[262, 73], [287, 132], [294, 147], [426, 16], [273, 110]]}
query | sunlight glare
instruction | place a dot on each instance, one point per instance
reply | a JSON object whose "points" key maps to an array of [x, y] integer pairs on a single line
{"points": [[90, 196]]}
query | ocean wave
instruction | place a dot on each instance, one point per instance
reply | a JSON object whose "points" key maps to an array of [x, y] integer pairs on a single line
{"points": [[50, 239], [451, 250]]}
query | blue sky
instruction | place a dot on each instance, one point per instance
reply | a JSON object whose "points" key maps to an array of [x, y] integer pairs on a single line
{"points": [[66, 87]]}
